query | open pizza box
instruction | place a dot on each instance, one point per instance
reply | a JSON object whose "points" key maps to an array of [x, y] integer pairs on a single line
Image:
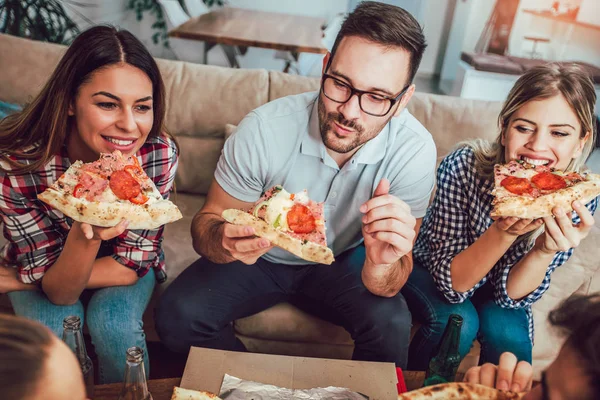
{"points": [[205, 369]]}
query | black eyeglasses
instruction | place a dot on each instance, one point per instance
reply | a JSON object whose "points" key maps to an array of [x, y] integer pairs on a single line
{"points": [[371, 103]]}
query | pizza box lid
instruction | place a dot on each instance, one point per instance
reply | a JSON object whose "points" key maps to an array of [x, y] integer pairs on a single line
{"points": [[205, 369]]}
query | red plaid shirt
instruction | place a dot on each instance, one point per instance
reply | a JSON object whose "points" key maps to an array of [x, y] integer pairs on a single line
{"points": [[36, 233]]}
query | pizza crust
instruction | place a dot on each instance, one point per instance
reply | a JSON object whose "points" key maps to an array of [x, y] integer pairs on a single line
{"points": [[507, 205], [144, 216], [308, 251], [187, 394], [458, 391]]}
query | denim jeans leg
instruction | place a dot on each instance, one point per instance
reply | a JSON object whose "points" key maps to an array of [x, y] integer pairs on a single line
{"points": [[380, 326], [429, 307], [503, 329], [35, 305], [115, 324]]}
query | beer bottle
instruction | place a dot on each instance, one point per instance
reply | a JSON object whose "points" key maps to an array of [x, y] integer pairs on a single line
{"points": [[135, 386], [73, 337], [443, 365]]}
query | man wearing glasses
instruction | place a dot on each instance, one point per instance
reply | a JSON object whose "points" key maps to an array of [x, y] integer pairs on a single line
{"points": [[352, 145], [574, 374]]}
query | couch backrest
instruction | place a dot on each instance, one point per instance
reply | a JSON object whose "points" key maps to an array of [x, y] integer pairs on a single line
{"points": [[202, 99]]}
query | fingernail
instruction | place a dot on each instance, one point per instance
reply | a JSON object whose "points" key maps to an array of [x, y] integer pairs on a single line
{"points": [[364, 220], [515, 388], [577, 203], [249, 231], [264, 243], [363, 208], [559, 211], [503, 385]]}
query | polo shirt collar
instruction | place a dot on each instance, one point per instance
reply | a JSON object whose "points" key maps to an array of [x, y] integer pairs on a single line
{"points": [[370, 153]]}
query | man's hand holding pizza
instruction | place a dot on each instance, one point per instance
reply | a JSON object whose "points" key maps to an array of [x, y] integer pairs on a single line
{"points": [[242, 244], [387, 225]]}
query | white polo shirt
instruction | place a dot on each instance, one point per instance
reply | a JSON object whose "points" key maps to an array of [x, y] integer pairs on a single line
{"points": [[280, 143]]}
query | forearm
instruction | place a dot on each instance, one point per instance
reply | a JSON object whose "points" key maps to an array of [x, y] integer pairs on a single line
{"points": [[472, 264], [207, 234], [69, 275], [108, 272], [386, 280], [528, 274]]}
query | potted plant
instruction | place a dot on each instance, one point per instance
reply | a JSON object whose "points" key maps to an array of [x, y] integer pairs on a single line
{"points": [[44, 20]]}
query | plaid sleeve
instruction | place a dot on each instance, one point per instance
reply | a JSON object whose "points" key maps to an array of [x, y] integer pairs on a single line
{"points": [[449, 232], [500, 293], [34, 239], [141, 250]]}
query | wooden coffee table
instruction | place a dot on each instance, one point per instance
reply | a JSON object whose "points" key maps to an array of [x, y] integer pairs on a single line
{"points": [[162, 389]]}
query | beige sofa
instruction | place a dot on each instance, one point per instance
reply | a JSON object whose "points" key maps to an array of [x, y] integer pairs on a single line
{"points": [[202, 101]]}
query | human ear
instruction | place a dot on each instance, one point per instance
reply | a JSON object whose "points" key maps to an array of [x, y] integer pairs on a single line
{"points": [[581, 144]]}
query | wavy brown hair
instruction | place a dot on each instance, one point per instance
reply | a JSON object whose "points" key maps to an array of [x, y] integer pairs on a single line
{"points": [[40, 130]]}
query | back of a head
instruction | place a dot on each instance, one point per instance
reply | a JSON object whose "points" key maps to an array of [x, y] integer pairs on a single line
{"points": [[578, 318], [386, 25], [24, 348]]}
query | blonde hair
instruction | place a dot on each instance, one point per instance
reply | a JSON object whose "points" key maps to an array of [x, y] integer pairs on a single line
{"points": [[542, 82]]}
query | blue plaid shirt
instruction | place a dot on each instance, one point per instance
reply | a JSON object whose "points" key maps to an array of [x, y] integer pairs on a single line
{"points": [[458, 216]]}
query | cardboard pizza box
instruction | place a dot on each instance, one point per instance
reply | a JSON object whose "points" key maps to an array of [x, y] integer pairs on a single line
{"points": [[205, 369]]}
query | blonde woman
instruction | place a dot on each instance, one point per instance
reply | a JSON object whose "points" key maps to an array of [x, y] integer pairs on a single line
{"points": [[491, 271]]}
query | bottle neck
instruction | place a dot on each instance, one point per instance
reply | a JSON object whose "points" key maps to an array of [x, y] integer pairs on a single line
{"points": [[134, 385], [74, 339], [451, 338]]}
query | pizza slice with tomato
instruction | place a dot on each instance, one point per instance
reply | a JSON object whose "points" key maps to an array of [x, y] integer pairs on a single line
{"points": [[291, 221], [524, 190], [105, 191]]}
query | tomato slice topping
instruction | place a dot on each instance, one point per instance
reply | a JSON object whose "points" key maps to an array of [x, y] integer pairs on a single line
{"points": [[123, 185], [78, 190], [139, 199], [300, 219], [549, 181], [517, 185]]}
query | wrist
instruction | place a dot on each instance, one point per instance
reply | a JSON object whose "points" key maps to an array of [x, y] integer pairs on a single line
{"points": [[503, 235]]}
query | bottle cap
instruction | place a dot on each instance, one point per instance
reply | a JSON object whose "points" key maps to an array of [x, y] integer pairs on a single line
{"points": [[72, 322]]}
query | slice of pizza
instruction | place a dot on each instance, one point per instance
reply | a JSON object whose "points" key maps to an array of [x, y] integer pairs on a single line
{"points": [[291, 221], [524, 190], [188, 394], [105, 191], [459, 391]]}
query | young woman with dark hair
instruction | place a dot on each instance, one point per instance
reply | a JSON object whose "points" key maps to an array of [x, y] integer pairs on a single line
{"points": [[105, 94]]}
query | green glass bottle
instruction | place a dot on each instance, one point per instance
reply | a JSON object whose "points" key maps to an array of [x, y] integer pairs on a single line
{"points": [[443, 365]]}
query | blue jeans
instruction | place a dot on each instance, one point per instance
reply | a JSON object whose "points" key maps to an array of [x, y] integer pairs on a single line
{"points": [[114, 320], [497, 329], [198, 308]]}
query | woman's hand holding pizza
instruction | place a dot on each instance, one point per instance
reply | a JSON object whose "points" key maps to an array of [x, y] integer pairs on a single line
{"points": [[507, 375], [517, 226], [241, 243], [92, 232], [560, 233], [388, 227]]}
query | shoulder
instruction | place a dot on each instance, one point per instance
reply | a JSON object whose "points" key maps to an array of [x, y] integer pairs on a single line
{"points": [[407, 136], [287, 112], [458, 167], [159, 148]]}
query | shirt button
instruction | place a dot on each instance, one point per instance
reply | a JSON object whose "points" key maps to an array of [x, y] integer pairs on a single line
{"points": [[333, 195]]}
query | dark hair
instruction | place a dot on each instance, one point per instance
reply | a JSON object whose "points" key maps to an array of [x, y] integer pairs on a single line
{"points": [[24, 348], [579, 318], [44, 122], [387, 25]]}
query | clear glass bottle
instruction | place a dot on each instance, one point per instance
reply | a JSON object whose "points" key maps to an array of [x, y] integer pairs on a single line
{"points": [[135, 386], [443, 365], [73, 337]]}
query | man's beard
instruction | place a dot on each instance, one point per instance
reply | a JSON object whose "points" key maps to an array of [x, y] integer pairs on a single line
{"points": [[347, 144]]}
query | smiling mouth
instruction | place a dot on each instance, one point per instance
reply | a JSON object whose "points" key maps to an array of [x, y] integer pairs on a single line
{"points": [[533, 161], [119, 142]]}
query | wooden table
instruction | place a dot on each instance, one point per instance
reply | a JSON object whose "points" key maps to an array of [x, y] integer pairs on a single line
{"points": [[251, 28], [162, 389]]}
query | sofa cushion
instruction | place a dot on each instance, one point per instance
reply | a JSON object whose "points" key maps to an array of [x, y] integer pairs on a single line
{"points": [[197, 162]]}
